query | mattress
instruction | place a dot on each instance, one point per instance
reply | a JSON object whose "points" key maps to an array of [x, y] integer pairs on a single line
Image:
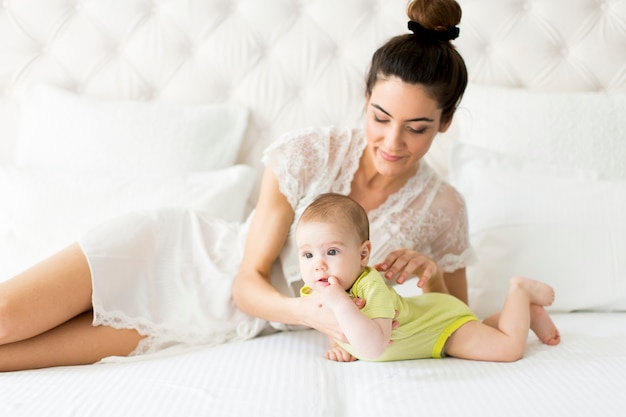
{"points": [[205, 51], [285, 374]]}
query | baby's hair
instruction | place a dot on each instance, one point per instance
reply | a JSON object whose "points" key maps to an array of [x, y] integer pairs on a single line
{"points": [[339, 209]]}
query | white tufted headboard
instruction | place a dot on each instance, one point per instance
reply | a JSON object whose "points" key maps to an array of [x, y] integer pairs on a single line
{"points": [[296, 63], [547, 45], [292, 62]]}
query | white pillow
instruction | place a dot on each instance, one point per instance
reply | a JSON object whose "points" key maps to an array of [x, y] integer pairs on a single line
{"points": [[45, 210], [577, 130], [62, 130], [558, 225]]}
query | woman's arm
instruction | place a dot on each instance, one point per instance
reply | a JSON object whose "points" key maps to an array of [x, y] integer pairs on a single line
{"points": [[252, 290]]}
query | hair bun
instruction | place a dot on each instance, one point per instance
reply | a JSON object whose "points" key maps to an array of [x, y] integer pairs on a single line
{"points": [[433, 35]]}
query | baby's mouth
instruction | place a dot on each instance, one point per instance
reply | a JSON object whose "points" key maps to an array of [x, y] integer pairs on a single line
{"points": [[323, 282]]}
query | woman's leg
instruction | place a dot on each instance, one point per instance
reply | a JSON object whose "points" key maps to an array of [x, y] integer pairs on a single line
{"points": [[51, 292], [45, 317], [507, 342], [75, 342]]}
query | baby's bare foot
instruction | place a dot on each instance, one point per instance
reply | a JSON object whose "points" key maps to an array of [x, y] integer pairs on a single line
{"points": [[538, 292], [543, 326]]}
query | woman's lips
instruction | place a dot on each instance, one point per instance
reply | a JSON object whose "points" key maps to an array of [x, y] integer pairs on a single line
{"points": [[387, 157]]}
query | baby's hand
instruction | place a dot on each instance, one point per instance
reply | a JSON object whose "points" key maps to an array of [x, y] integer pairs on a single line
{"points": [[334, 294], [334, 283], [338, 354]]}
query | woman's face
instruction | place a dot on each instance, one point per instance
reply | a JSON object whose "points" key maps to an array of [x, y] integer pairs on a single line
{"points": [[402, 121]]}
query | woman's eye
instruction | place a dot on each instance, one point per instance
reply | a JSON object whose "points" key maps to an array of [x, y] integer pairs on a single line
{"points": [[417, 131], [379, 120]]}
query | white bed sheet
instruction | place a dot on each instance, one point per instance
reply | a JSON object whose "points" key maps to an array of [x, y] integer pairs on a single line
{"points": [[137, 49], [285, 374]]}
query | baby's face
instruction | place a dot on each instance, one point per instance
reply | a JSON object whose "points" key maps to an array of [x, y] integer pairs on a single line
{"points": [[327, 249]]}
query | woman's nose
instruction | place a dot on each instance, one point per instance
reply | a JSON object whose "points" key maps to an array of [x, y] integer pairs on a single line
{"points": [[393, 138]]}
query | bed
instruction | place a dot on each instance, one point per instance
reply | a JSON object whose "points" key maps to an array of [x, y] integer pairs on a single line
{"points": [[117, 105]]}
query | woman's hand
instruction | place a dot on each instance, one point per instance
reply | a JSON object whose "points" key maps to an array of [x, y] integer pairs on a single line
{"points": [[320, 317], [402, 263]]}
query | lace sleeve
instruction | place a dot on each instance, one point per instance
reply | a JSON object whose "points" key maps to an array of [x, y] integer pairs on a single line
{"points": [[451, 246], [429, 216], [311, 161], [294, 158]]}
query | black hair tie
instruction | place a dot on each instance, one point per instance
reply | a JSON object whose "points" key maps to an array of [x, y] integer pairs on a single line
{"points": [[427, 34]]}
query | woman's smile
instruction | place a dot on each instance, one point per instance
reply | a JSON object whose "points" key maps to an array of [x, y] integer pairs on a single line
{"points": [[389, 157]]}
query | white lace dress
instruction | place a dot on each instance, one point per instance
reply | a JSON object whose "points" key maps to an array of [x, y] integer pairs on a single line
{"points": [[168, 273]]}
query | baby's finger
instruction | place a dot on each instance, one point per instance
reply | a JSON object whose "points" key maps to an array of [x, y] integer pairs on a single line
{"points": [[395, 323], [359, 302]]}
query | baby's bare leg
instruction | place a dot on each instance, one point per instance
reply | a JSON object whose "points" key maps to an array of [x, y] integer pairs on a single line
{"points": [[538, 292], [540, 323], [507, 342], [44, 296]]}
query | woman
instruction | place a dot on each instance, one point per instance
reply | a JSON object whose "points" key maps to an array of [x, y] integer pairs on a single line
{"points": [[147, 281]]}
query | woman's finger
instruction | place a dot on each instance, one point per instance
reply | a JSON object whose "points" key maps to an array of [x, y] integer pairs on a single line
{"points": [[408, 264]]}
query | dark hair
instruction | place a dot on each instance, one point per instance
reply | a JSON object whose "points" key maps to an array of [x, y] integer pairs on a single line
{"points": [[424, 60], [338, 209]]}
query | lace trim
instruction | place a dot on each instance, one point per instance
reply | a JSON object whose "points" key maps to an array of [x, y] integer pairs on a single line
{"points": [[351, 162], [119, 320], [450, 262], [158, 338], [401, 199]]}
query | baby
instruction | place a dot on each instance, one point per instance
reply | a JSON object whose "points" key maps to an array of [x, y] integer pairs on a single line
{"points": [[332, 236]]}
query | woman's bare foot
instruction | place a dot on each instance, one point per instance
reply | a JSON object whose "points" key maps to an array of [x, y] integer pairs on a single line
{"points": [[538, 292], [542, 325]]}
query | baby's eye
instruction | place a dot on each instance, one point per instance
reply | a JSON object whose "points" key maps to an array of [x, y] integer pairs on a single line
{"points": [[307, 255], [332, 252]]}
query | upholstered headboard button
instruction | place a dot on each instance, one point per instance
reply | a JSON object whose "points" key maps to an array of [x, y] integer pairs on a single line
{"points": [[293, 63]]}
